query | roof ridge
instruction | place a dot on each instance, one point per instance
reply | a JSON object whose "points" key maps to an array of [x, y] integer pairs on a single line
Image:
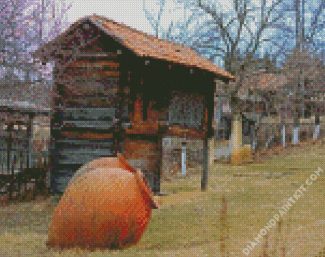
{"points": [[121, 24]]}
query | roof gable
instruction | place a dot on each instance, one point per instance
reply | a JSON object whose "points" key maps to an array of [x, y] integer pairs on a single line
{"points": [[144, 45]]}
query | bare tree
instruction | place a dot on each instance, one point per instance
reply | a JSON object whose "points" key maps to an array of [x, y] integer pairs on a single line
{"points": [[24, 25], [154, 17], [301, 64], [239, 30], [310, 24], [181, 27], [304, 71]]}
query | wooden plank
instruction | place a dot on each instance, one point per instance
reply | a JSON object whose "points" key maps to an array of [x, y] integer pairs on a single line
{"points": [[180, 131], [74, 143], [76, 151], [89, 124], [95, 64], [88, 114], [82, 151], [81, 156], [94, 118], [90, 87], [69, 79], [92, 73], [86, 135], [90, 102], [93, 54]]}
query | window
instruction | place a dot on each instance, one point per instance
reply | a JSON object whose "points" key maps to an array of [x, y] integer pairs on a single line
{"points": [[186, 109]]}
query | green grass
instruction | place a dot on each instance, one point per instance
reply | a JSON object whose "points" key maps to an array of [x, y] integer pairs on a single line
{"points": [[194, 223]]}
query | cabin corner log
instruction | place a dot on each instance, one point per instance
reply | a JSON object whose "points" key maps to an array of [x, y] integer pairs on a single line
{"points": [[114, 93]]}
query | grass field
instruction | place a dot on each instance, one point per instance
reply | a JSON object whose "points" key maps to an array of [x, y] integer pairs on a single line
{"points": [[220, 222]]}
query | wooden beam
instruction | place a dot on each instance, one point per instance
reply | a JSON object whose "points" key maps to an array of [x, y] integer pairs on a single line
{"points": [[205, 172], [9, 144]]}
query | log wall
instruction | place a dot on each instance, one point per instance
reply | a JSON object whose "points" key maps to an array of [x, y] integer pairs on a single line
{"points": [[83, 124]]}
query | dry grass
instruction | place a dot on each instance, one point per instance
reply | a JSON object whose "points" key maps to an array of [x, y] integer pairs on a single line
{"points": [[220, 222]]}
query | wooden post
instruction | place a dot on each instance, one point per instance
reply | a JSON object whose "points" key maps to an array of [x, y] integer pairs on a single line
{"points": [[9, 143], [317, 127], [283, 133], [158, 177], [205, 172], [13, 166], [253, 137], [21, 158], [295, 136], [30, 141]]}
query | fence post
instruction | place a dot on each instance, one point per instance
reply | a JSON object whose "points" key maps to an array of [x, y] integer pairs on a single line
{"points": [[283, 133], [184, 158], [13, 166], [317, 127], [9, 142], [252, 134], [295, 137], [30, 140], [204, 179]]}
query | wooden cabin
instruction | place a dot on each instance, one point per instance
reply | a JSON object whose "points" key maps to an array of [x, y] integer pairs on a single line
{"points": [[120, 90]]}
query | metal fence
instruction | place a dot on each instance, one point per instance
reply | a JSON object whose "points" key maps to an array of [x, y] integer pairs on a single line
{"points": [[23, 158]]}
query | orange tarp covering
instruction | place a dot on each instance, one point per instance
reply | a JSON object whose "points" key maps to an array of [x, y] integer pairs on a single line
{"points": [[106, 205]]}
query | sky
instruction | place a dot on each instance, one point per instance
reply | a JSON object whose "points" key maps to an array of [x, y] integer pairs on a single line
{"points": [[129, 12]]}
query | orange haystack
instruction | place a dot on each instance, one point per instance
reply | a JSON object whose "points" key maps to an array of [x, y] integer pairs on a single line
{"points": [[106, 205]]}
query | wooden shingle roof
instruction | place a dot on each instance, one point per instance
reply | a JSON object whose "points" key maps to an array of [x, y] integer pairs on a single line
{"points": [[145, 45]]}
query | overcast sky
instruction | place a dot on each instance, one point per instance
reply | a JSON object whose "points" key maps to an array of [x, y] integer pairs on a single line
{"points": [[127, 11]]}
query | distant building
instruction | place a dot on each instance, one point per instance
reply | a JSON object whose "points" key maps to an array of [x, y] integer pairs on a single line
{"points": [[24, 125]]}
